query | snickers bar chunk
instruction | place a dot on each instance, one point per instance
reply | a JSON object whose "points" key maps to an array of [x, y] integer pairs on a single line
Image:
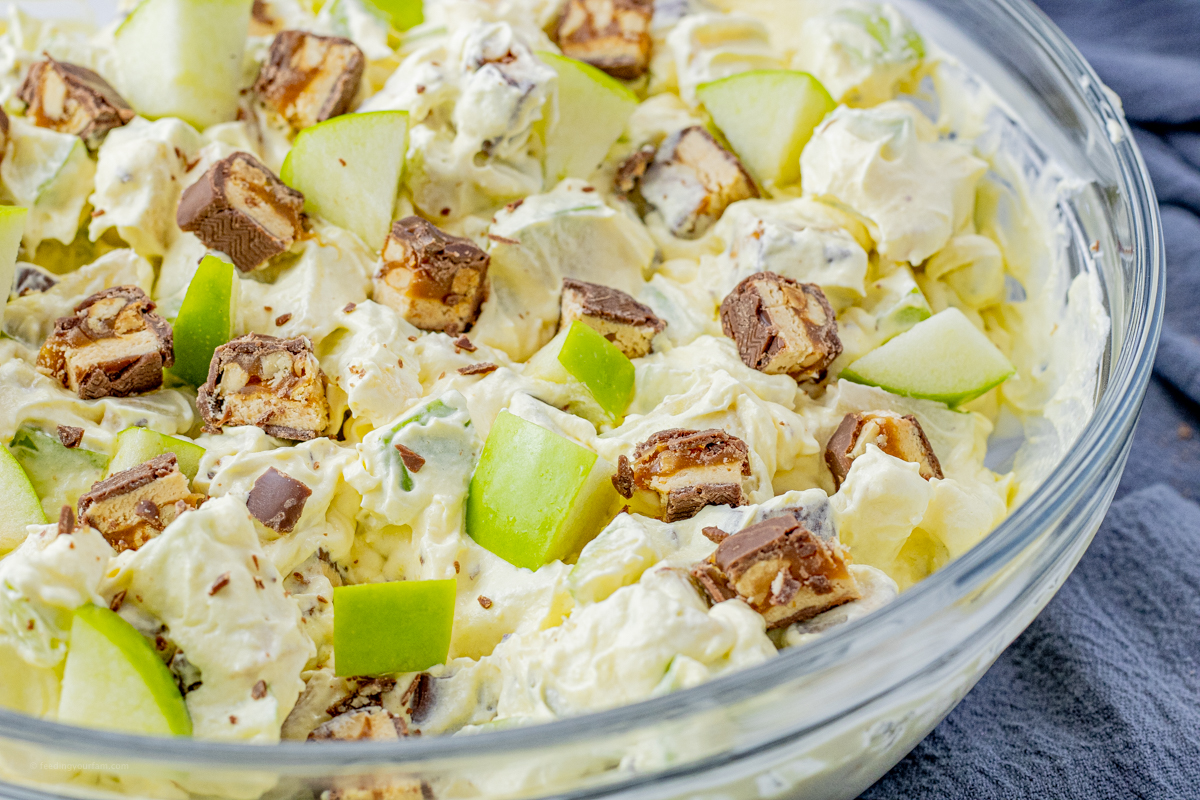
{"points": [[611, 35], [113, 346], [434, 280], [780, 569], [275, 384], [308, 79], [240, 208], [372, 723], [781, 327], [132, 507], [689, 470], [898, 436], [613, 314], [72, 99], [692, 180]]}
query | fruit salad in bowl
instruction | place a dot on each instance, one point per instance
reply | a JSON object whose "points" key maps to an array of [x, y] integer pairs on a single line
{"points": [[373, 371]]}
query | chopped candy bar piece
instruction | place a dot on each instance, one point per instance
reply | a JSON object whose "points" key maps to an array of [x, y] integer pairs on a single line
{"points": [[613, 314], [611, 35], [113, 346], [277, 500], [692, 180], [629, 174], [72, 99], [308, 79], [379, 789], [240, 208], [895, 435], [70, 436], [782, 326], [691, 469], [31, 279], [780, 569], [132, 507], [371, 723], [434, 280], [273, 383]]}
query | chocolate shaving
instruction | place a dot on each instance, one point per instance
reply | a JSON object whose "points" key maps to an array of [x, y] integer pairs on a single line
{"points": [[486, 602], [117, 601], [623, 480], [481, 368], [259, 691], [66, 520], [463, 343], [70, 436], [714, 534], [31, 279], [412, 460], [221, 582], [282, 319]]}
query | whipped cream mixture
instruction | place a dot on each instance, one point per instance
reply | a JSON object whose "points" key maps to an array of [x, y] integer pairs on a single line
{"points": [[910, 197]]}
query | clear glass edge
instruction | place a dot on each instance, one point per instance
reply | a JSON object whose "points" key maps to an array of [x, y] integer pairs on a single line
{"points": [[1101, 440]]}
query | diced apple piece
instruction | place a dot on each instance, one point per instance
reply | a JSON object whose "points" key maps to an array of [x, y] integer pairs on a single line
{"points": [[113, 679], [348, 168], [581, 355], [400, 626], [944, 358], [768, 116], [403, 14], [58, 474], [183, 58], [897, 303], [536, 496], [139, 445], [12, 228], [587, 116], [51, 174], [205, 320], [21, 505]]}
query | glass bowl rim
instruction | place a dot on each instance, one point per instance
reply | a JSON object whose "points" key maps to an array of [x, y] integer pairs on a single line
{"points": [[1114, 416]]}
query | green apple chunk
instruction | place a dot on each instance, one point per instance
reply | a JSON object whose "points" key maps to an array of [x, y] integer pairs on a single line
{"points": [[536, 496], [897, 303], [205, 320], [21, 505], [139, 445], [58, 474], [113, 679], [348, 169], [403, 14], [768, 116], [400, 626], [580, 355], [51, 174], [12, 228], [183, 58], [944, 358], [588, 114]]}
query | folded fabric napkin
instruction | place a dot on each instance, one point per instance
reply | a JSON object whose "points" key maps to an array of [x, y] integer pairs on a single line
{"points": [[1100, 698]]}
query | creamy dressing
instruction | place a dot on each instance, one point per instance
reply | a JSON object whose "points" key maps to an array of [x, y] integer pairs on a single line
{"points": [[895, 211]]}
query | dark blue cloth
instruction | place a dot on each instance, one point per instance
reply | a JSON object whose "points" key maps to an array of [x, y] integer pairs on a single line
{"points": [[1100, 698]]}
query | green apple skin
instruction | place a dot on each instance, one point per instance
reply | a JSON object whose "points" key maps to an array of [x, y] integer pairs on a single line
{"points": [[205, 320], [600, 366], [403, 14], [21, 504], [139, 445], [536, 496], [897, 303], [58, 474], [348, 168], [183, 58], [589, 113], [767, 116], [399, 626], [113, 679], [944, 358], [12, 228]]}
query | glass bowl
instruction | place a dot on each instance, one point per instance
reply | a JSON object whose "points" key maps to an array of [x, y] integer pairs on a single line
{"points": [[824, 720]]}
